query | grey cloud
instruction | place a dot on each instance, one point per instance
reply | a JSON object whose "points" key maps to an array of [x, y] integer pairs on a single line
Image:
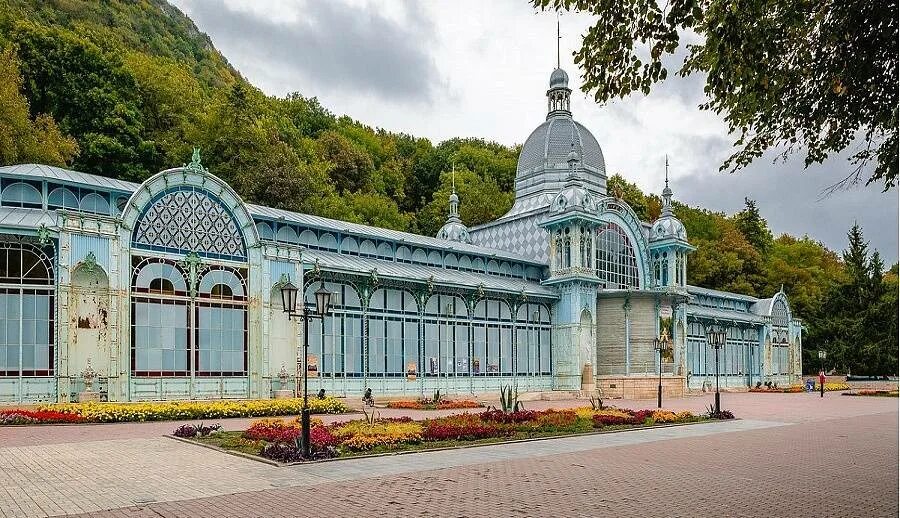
{"points": [[334, 45], [789, 197]]}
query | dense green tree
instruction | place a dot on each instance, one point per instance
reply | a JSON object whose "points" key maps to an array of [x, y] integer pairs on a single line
{"points": [[480, 200], [90, 95], [812, 76], [754, 227], [856, 323], [24, 138], [351, 166]]}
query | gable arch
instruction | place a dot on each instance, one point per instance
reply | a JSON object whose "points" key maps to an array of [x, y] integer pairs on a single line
{"points": [[622, 216], [187, 209]]}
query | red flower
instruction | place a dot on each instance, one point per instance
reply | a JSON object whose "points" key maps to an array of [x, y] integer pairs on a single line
{"points": [[37, 417]]}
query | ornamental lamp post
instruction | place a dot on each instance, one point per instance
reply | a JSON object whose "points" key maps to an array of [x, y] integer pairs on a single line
{"points": [[661, 343], [822, 355], [323, 306], [716, 339]]}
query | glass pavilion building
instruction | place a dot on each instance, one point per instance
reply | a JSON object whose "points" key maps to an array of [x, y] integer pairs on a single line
{"points": [[170, 289]]}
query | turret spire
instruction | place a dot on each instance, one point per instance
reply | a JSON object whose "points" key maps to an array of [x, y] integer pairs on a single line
{"points": [[558, 96], [454, 199], [558, 39], [667, 193], [454, 229]]}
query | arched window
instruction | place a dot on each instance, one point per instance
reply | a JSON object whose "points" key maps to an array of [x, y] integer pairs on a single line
{"points": [[567, 249], [94, 202], [586, 259], [780, 314], [337, 342], [26, 310], [221, 330], [21, 194], [616, 264], [175, 333], [265, 231], [186, 219], [159, 319], [287, 234], [62, 198]]}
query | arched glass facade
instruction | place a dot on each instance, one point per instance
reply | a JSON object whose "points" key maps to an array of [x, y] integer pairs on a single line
{"points": [[617, 265]]}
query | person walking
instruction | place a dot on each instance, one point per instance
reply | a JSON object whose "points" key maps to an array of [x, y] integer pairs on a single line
{"points": [[821, 383]]}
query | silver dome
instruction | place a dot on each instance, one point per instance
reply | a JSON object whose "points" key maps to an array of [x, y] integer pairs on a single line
{"points": [[543, 160], [559, 79], [454, 231], [573, 197], [668, 227]]}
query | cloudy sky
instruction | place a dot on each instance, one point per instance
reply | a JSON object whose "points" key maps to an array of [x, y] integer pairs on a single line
{"points": [[474, 68]]}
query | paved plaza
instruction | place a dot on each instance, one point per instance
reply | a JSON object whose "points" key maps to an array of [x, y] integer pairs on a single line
{"points": [[788, 455]]}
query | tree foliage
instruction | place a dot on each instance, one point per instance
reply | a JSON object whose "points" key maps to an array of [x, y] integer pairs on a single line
{"points": [[786, 75], [24, 138], [857, 323]]}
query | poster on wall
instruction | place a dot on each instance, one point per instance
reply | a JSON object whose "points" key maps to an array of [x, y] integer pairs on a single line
{"points": [[665, 331], [312, 366], [432, 365]]}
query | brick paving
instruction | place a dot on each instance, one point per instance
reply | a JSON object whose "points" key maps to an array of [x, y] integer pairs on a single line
{"points": [[842, 452]]}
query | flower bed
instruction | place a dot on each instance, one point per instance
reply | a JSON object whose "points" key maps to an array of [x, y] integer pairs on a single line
{"points": [[793, 389], [174, 410], [430, 405], [872, 393], [277, 439], [37, 417], [830, 387]]}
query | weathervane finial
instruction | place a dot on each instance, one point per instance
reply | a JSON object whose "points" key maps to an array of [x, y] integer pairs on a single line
{"points": [[558, 39], [453, 176], [667, 170]]}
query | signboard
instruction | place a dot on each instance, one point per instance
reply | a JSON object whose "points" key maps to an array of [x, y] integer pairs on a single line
{"points": [[312, 366], [411, 371], [665, 312]]}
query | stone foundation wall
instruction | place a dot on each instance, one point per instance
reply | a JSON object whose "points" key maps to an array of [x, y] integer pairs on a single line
{"points": [[640, 387]]}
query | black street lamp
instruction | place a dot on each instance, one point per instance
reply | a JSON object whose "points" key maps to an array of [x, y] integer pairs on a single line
{"points": [[716, 339], [323, 306], [661, 343]]}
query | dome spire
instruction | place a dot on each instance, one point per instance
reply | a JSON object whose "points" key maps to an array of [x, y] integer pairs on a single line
{"points": [[558, 39], [558, 96], [667, 193], [454, 199]]}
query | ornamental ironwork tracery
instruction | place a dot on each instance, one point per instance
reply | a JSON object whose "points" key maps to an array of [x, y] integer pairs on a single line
{"points": [[190, 220]]}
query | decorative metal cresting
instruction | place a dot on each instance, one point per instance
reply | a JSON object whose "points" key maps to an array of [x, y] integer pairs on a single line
{"points": [[90, 262], [43, 235], [192, 264], [195, 166], [322, 309]]}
